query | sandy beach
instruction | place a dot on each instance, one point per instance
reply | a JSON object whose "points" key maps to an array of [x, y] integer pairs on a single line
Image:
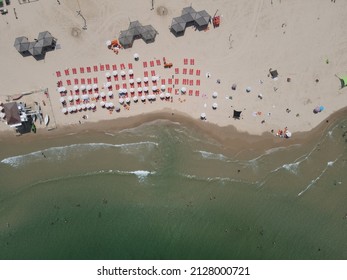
{"points": [[303, 41]]}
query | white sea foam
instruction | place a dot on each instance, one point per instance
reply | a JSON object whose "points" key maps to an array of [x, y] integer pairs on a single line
{"points": [[209, 155], [63, 152]]}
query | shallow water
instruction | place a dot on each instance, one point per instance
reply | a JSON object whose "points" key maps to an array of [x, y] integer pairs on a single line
{"points": [[165, 191]]}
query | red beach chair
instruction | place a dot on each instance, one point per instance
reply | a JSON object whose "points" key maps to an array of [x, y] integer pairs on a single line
{"points": [[68, 82], [197, 93], [89, 69], [145, 74], [81, 70], [198, 72], [115, 78], [95, 68], [76, 81], [198, 82], [145, 65], [107, 67], [191, 82], [151, 63], [130, 65], [192, 61], [66, 72], [124, 85], [169, 81], [89, 81], [58, 73], [152, 73], [191, 71], [95, 80], [177, 71], [74, 71], [102, 67], [158, 62], [169, 90], [117, 86], [83, 81], [122, 66], [176, 81], [114, 67], [176, 91], [185, 61], [185, 71], [190, 92], [163, 81]]}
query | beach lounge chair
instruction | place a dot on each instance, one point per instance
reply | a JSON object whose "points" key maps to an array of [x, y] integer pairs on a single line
{"points": [[107, 67], [169, 81], [68, 82], [114, 67], [197, 93], [95, 67], [185, 61], [124, 85], [158, 62], [169, 90], [130, 65], [176, 81], [163, 81], [184, 71], [89, 81], [66, 72], [177, 91], [60, 83], [58, 73], [102, 67], [117, 86], [145, 74], [184, 81], [76, 81], [198, 82], [74, 71], [81, 70], [190, 92], [177, 71], [115, 78], [198, 72], [191, 82], [89, 69], [83, 81], [191, 71], [192, 61], [153, 73], [151, 63], [145, 65], [95, 80], [122, 66]]}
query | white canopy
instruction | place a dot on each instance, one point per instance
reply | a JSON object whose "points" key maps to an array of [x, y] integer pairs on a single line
{"points": [[89, 87], [64, 110], [131, 81], [70, 98], [163, 87], [131, 72], [114, 73], [122, 73], [183, 90], [145, 79], [135, 98], [110, 93], [108, 74], [138, 80], [145, 89], [121, 100], [215, 94], [214, 105], [102, 94], [95, 86], [139, 89], [62, 100], [167, 95], [75, 88], [83, 87], [203, 116], [102, 104], [162, 95], [154, 88], [96, 95], [127, 100], [143, 98]]}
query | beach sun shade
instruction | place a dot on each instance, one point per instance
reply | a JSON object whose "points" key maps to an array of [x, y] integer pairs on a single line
{"points": [[274, 74], [188, 16], [178, 24], [343, 81], [237, 114], [202, 19], [126, 38], [12, 114], [21, 44], [36, 48], [148, 33]]}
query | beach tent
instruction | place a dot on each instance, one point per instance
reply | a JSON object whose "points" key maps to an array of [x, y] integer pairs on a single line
{"points": [[126, 38], [178, 25], [237, 114], [202, 19], [188, 15], [36, 48], [273, 73], [148, 33], [12, 114], [21, 44], [343, 81], [47, 39]]}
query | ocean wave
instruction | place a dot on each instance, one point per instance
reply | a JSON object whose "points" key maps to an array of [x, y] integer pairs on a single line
{"points": [[216, 179], [209, 155], [63, 152]]}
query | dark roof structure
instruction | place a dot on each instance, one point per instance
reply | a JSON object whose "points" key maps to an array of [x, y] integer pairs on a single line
{"points": [[37, 48], [190, 17], [237, 114], [12, 114], [137, 31]]}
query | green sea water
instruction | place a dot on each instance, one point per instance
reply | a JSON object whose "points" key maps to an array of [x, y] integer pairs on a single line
{"points": [[166, 191]]}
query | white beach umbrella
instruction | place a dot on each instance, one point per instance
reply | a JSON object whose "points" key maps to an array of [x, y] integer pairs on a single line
{"points": [[83, 106], [64, 110], [121, 100], [214, 105], [96, 95], [136, 56], [125, 90], [114, 73], [85, 97], [131, 81], [102, 94], [139, 89], [70, 98], [135, 99], [117, 108], [154, 78], [108, 43], [131, 72], [110, 93], [248, 89], [162, 95], [143, 98], [145, 89], [288, 134], [183, 90], [63, 89], [69, 109], [132, 90], [167, 95], [108, 74], [79, 108], [74, 109], [163, 87], [88, 106], [75, 88], [127, 100], [62, 100], [138, 80], [203, 116], [122, 73], [215, 94], [92, 105], [154, 88], [120, 91], [107, 105], [60, 89], [83, 87], [95, 86], [108, 84], [76, 97], [145, 79], [89, 87], [102, 104]]}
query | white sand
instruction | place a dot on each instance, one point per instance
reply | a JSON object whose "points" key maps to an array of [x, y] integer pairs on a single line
{"points": [[295, 37]]}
